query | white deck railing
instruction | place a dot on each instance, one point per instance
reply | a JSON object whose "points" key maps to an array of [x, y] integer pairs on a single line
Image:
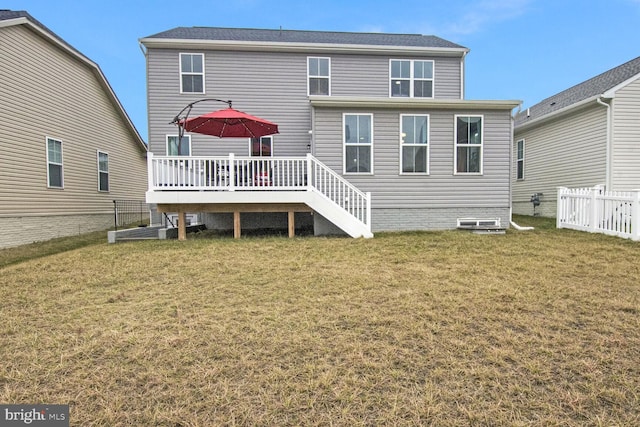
{"points": [[595, 210], [231, 173]]}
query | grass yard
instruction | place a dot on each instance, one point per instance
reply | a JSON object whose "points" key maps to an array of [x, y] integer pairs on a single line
{"points": [[444, 328]]}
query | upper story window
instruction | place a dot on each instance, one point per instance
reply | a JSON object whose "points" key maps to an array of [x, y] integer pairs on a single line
{"points": [[414, 143], [358, 143], [192, 73], [319, 70], [175, 149], [411, 78], [103, 171], [468, 152], [520, 159], [55, 173]]}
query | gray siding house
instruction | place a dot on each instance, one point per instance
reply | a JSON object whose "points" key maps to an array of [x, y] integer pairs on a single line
{"points": [[378, 123], [68, 147], [584, 136]]}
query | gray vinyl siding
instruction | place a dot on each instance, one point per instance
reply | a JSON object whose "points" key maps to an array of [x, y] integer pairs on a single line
{"points": [[567, 152], [270, 85], [441, 189], [45, 92], [626, 136]]}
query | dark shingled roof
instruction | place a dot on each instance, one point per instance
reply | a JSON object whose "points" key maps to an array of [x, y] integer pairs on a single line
{"points": [[12, 14], [297, 36], [597, 85]]}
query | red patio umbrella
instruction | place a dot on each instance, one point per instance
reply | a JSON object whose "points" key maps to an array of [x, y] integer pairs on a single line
{"points": [[229, 123]]}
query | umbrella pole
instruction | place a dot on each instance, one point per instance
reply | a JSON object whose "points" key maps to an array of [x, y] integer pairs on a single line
{"points": [[177, 120]]}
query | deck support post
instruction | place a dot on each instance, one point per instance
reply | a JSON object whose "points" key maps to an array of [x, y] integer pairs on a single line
{"points": [[182, 226], [292, 224], [236, 224]]}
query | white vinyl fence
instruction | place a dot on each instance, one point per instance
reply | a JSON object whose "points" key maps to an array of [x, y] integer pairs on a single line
{"points": [[595, 210]]}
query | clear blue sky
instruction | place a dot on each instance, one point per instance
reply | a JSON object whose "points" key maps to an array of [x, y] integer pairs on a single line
{"points": [[520, 49]]}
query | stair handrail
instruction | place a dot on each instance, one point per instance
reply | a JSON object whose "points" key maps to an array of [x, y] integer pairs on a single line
{"points": [[347, 196]]}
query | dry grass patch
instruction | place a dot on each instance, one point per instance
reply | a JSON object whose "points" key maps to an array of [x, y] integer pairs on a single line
{"points": [[448, 328]]}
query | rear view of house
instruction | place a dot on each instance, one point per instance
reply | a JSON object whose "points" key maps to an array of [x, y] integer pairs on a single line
{"points": [[374, 131], [584, 136], [68, 147]]}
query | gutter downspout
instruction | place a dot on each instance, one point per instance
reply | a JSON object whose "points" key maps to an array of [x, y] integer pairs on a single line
{"points": [[462, 79], [145, 52], [513, 224], [608, 180]]}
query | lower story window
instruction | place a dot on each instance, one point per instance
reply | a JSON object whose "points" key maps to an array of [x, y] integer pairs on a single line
{"points": [[103, 171], [468, 137], [414, 140], [358, 143], [261, 147], [520, 159], [55, 174], [175, 148]]}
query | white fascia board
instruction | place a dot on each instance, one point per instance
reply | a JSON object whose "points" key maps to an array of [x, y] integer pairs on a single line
{"points": [[300, 47], [95, 67], [409, 103], [15, 21], [558, 113]]}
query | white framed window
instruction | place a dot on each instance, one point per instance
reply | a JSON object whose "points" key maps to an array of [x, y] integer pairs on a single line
{"points": [[520, 159], [192, 73], [468, 144], [319, 75], [358, 143], [411, 78], [414, 144], [55, 171], [103, 171], [262, 147], [175, 149]]}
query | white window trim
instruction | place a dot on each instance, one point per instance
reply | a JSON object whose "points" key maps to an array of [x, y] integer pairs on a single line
{"points": [[180, 73], [344, 145], [428, 144], [166, 146], [456, 145], [518, 159], [107, 172], [61, 164], [260, 138], [412, 78], [309, 76]]}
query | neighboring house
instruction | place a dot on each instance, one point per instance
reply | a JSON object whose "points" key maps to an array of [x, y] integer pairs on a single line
{"points": [[376, 125], [585, 136], [68, 147]]}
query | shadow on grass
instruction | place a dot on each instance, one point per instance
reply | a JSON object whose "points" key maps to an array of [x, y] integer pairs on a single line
{"points": [[22, 253]]}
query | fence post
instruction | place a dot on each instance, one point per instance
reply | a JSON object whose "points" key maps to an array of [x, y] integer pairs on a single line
{"points": [[593, 211], [368, 215], [232, 172], [115, 216], [635, 215], [560, 207]]}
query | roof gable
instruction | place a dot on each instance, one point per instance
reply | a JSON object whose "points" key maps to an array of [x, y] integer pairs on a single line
{"points": [[20, 17], [598, 85]]}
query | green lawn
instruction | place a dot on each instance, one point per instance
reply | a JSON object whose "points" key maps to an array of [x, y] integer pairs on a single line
{"points": [[434, 328]]}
